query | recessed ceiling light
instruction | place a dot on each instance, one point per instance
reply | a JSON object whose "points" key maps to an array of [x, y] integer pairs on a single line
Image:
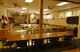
{"points": [[24, 8], [29, 1], [62, 3]]}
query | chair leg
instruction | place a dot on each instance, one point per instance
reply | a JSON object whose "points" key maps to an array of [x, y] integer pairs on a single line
{"points": [[10, 48], [2, 48]]}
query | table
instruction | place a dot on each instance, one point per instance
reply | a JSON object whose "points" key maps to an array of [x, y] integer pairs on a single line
{"points": [[37, 36]]}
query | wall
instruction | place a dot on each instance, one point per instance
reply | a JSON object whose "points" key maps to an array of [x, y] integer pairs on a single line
{"points": [[9, 14], [62, 20], [56, 11], [3, 11]]}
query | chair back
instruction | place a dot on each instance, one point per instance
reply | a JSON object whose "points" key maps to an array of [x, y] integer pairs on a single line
{"points": [[38, 41], [21, 43]]}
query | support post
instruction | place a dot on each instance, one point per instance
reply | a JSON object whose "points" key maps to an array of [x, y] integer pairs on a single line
{"points": [[41, 17]]}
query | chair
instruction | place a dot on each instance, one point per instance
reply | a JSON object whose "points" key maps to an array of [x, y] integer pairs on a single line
{"points": [[21, 46], [54, 41], [75, 31], [21, 43], [38, 44], [7, 44], [68, 40]]}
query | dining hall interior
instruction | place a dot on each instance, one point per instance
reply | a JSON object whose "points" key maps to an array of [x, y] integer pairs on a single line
{"points": [[39, 26]]}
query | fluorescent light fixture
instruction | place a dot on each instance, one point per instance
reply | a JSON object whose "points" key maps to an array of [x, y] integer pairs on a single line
{"points": [[46, 10], [24, 8], [29, 1], [62, 3]]}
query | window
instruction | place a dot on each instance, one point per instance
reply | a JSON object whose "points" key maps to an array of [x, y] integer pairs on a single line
{"points": [[62, 15], [48, 16], [76, 13], [68, 14]]}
